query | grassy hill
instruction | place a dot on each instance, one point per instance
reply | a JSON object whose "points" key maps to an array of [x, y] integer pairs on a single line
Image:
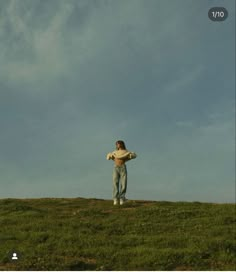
{"points": [[92, 234]]}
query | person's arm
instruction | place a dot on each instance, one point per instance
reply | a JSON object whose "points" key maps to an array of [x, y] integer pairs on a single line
{"points": [[131, 156], [127, 159], [110, 156]]}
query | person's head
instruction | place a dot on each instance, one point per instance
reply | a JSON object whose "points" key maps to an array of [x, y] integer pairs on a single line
{"points": [[120, 145]]}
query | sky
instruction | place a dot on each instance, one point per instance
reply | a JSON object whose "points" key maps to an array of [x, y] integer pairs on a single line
{"points": [[78, 75]]}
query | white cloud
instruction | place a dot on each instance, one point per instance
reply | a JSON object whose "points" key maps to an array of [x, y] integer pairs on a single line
{"points": [[187, 79], [45, 59]]}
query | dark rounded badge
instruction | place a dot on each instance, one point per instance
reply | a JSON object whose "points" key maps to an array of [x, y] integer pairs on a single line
{"points": [[14, 256], [218, 14]]}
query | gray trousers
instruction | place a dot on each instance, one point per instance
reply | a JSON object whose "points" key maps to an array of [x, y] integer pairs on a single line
{"points": [[119, 181]]}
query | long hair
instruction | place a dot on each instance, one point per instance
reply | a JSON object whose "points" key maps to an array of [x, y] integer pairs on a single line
{"points": [[122, 144]]}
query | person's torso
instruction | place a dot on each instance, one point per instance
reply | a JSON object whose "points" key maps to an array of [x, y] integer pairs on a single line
{"points": [[120, 153]]}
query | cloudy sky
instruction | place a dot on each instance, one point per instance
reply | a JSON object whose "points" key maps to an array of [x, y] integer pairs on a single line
{"points": [[77, 75]]}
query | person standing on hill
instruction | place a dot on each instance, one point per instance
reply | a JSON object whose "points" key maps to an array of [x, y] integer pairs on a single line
{"points": [[120, 156]]}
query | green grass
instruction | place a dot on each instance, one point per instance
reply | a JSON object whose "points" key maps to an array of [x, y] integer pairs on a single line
{"points": [[92, 234]]}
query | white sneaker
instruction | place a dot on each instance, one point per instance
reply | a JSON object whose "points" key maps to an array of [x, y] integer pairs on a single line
{"points": [[115, 202], [122, 201]]}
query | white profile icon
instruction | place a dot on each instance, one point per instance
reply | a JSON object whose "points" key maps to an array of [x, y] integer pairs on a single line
{"points": [[14, 256]]}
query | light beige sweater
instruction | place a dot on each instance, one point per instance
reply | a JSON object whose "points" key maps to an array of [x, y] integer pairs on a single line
{"points": [[121, 154]]}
